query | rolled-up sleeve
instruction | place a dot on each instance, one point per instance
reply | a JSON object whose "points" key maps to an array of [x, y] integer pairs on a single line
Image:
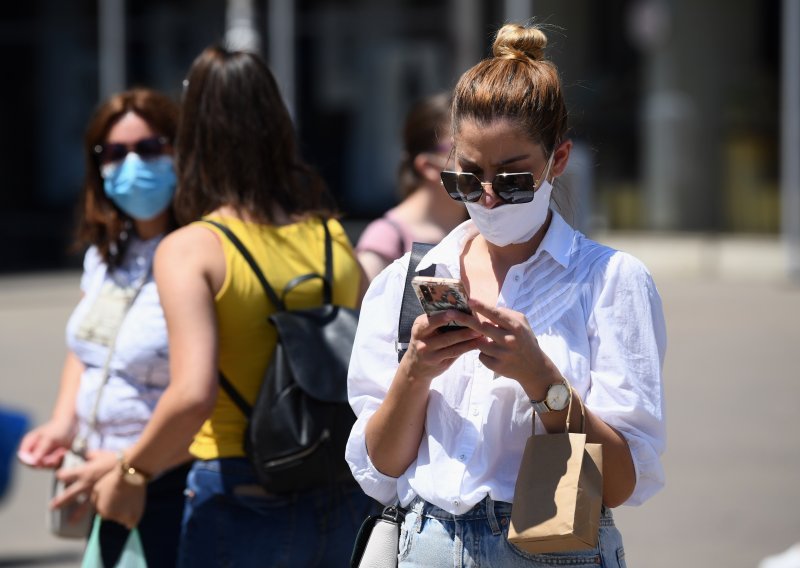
{"points": [[373, 364], [628, 342]]}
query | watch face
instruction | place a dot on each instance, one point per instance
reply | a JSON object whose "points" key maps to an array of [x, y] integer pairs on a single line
{"points": [[558, 396]]}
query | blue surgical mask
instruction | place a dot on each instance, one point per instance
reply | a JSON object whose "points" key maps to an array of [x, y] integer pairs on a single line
{"points": [[141, 188]]}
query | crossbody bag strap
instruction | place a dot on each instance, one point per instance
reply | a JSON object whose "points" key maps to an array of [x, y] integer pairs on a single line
{"points": [[79, 445], [410, 307], [327, 284]]}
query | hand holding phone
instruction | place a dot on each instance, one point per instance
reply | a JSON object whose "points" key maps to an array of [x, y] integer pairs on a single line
{"points": [[439, 295]]}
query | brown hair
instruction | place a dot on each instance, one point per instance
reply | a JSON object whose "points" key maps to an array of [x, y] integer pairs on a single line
{"points": [[236, 143], [517, 84], [100, 222], [425, 128]]}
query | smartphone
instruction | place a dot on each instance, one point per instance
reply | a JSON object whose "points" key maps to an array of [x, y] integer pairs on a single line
{"points": [[441, 294]]}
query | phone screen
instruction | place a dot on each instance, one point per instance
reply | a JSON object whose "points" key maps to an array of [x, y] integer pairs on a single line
{"points": [[441, 294]]}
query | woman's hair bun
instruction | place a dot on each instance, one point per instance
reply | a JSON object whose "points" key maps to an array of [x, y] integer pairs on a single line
{"points": [[515, 41]]}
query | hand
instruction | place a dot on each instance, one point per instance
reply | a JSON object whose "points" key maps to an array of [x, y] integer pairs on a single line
{"points": [[45, 446], [119, 501], [510, 348], [431, 352], [80, 481]]}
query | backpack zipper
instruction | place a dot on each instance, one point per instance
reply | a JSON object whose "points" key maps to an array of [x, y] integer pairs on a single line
{"points": [[279, 462]]}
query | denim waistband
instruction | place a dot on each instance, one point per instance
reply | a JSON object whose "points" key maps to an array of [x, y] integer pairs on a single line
{"points": [[485, 509]]}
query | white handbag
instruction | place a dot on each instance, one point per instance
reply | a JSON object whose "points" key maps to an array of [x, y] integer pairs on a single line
{"points": [[58, 519], [378, 539]]}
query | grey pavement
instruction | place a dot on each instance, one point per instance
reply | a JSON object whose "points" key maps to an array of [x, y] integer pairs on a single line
{"points": [[731, 380]]}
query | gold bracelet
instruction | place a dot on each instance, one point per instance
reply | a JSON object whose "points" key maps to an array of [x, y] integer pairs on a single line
{"points": [[131, 474]]}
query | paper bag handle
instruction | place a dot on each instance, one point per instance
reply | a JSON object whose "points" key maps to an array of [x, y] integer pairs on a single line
{"points": [[569, 413], [569, 410]]}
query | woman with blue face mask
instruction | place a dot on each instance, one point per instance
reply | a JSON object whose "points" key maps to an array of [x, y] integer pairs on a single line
{"points": [[117, 364], [555, 317], [240, 167]]}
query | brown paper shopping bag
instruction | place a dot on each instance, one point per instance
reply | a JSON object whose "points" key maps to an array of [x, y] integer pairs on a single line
{"points": [[559, 493]]}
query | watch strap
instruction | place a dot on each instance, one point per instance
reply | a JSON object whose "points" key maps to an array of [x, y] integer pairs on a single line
{"points": [[540, 406]]}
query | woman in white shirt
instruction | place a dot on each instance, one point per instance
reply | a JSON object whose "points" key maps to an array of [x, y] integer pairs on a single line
{"points": [[105, 402], [443, 431]]}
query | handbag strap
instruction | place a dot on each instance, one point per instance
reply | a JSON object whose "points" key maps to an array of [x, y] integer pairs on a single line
{"points": [[327, 294], [79, 444], [410, 307]]}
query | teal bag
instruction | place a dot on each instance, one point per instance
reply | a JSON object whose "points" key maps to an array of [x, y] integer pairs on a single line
{"points": [[132, 554]]}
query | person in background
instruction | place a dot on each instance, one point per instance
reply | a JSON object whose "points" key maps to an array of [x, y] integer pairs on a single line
{"points": [[126, 211], [425, 213], [556, 316], [240, 166]]}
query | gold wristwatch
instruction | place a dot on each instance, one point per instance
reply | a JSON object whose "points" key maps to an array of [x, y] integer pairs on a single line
{"points": [[132, 475], [557, 398]]}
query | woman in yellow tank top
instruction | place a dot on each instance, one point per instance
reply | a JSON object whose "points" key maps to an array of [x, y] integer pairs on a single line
{"points": [[238, 165]]}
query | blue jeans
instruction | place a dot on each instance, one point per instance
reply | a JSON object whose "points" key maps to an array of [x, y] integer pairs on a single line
{"points": [[433, 537], [229, 520]]}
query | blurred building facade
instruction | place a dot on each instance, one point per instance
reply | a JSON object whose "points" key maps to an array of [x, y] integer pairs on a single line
{"points": [[674, 103]]}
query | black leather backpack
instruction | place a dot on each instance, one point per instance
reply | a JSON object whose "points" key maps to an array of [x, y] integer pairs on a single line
{"points": [[298, 427]]}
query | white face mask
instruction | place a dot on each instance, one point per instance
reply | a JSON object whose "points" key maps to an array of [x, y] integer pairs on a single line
{"points": [[511, 224], [508, 224]]}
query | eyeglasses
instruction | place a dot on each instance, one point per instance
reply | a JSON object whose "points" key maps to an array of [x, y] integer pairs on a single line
{"points": [[512, 188], [146, 148]]}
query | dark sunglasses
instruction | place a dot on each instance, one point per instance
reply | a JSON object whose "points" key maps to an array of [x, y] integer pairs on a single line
{"points": [[146, 148], [511, 188]]}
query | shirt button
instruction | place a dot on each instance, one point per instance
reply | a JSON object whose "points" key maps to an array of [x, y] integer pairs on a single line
{"points": [[516, 278], [475, 411], [462, 457], [456, 503]]}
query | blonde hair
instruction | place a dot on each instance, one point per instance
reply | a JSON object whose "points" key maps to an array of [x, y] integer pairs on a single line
{"points": [[516, 84]]}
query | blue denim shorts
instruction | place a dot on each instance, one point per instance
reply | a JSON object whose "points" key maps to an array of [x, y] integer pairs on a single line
{"points": [[229, 520], [433, 537]]}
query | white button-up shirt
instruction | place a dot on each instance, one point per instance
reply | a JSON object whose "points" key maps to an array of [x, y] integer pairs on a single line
{"points": [[595, 312]]}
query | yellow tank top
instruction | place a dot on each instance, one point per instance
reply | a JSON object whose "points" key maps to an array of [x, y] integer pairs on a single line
{"points": [[246, 339]]}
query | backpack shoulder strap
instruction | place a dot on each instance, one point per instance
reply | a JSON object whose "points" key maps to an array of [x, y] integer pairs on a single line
{"points": [[277, 302], [410, 307], [235, 395], [327, 280], [224, 382]]}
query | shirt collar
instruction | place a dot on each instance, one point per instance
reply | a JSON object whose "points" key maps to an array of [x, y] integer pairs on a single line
{"points": [[558, 242]]}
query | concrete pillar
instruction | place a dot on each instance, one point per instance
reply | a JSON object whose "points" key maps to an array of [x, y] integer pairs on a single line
{"points": [[241, 32], [790, 135], [517, 11], [465, 21], [281, 35], [111, 21]]}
